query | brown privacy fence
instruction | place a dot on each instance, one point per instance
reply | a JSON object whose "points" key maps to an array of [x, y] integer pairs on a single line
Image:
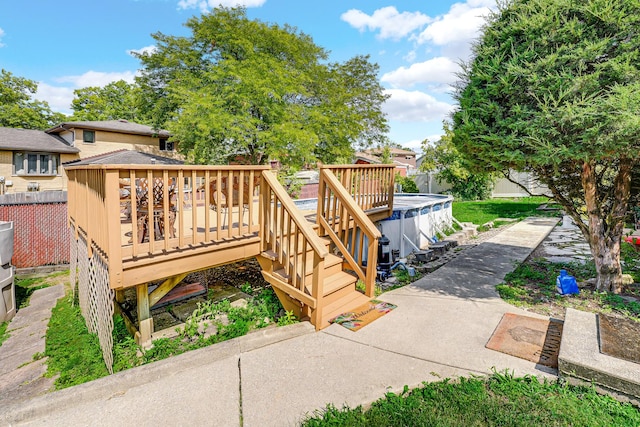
{"points": [[41, 227]]}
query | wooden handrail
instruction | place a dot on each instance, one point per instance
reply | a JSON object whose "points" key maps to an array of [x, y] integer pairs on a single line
{"points": [[346, 224], [287, 237], [305, 227], [371, 186], [350, 204]]}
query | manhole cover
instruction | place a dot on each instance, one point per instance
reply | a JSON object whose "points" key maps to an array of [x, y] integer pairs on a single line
{"points": [[533, 339]]}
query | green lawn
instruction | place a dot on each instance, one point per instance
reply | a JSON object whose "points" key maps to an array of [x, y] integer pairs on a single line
{"points": [[497, 400], [481, 212]]}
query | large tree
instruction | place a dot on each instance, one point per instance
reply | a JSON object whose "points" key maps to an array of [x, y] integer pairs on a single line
{"points": [[554, 89], [18, 108], [117, 100], [242, 89]]}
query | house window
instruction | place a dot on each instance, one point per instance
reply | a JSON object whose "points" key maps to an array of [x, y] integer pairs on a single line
{"points": [[165, 145], [88, 136], [35, 164]]}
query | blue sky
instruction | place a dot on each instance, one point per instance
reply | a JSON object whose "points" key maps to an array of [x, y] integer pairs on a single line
{"points": [[70, 44]]}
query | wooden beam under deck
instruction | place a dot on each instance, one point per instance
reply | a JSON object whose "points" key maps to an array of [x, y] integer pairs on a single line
{"points": [[164, 265]]}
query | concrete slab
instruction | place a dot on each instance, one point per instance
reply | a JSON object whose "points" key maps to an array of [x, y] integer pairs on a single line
{"points": [[204, 395], [454, 283], [39, 308], [449, 332], [580, 358], [179, 385], [282, 383], [24, 383]]}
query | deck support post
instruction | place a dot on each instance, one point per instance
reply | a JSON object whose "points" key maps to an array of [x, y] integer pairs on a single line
{"points": [[145, 321], [120, 296]]}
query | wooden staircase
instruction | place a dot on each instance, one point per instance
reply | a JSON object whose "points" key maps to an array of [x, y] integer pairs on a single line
{"points": [[339, 292], [307, 276]]}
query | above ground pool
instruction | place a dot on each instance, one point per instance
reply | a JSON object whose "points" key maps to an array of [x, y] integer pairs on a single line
{"points": [[416, 219]]}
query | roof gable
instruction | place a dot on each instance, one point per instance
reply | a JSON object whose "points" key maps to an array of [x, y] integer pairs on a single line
{"points": [[14, 139]]}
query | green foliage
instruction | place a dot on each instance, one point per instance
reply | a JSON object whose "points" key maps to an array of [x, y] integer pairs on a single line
{"points": [[246, 288], [403, 276], [117, 100], [407, 183], [554, 89], [241, 89], [631, 260], [453, 168], [18, 109], [125, 349], [288, 319], [499, 399], [481, 212], [73, 352], [361, 287], [385, 155], [4, 335]]}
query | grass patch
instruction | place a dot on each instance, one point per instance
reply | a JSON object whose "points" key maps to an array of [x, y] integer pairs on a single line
{"points": [[498, 400], [73, 352], [532, 285], [481, 212], [4, 335], [25, 287]]}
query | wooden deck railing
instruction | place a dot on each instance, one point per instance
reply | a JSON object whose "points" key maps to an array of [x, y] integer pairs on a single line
{"points": [[288, 237], [371, 186], [136, 213], [348, 226]]}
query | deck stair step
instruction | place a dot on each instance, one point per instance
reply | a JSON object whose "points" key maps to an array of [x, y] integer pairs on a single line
{"points": [[332, 265], [348, 302]]}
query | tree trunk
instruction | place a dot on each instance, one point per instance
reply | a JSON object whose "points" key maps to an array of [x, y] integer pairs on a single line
{"points": [[606, 225], [606, 255]]}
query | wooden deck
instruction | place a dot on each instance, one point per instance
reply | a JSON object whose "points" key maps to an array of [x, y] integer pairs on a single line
{"points": [[155, 223]]}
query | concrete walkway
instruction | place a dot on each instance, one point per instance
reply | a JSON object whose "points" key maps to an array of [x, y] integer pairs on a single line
{"points": [[276, 376], [21, 377]]}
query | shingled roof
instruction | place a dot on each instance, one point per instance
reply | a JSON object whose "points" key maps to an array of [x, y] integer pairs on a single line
{"points": [[121, 126], [33, 140], [125, 157]]}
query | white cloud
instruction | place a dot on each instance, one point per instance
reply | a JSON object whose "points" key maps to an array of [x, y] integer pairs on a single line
{"points": [[60, 97], [415, 106], [388, 20], [97, 78], [1, 35], [147, 50], [440, 70], [206, 5], [460, 25], [410, 57]]}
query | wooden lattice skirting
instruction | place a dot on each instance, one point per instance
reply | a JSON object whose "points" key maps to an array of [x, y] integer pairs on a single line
{"points": [[95, 295]]}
